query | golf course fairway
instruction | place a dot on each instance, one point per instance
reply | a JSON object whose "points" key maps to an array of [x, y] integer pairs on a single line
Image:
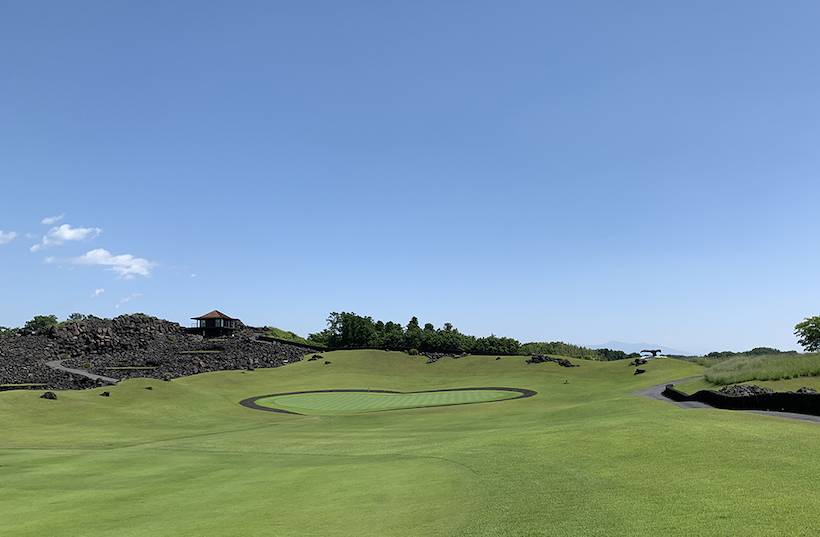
{"points": [[584, 456]]}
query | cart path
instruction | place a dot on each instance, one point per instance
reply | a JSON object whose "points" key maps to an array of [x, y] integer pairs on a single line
{"points": [[58, 365]]}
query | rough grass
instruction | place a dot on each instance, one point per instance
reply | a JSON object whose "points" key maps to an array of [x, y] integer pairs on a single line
{"points": [[767, 367], [584, 457]]}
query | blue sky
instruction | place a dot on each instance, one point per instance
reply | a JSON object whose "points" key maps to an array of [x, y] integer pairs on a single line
{"points": [[583, 171]]}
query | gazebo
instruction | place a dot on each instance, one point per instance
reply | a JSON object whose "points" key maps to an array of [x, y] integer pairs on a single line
{"points": [[215, 324]]}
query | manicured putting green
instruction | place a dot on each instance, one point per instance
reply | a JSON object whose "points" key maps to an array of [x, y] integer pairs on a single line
{"points": [[357, 401]]}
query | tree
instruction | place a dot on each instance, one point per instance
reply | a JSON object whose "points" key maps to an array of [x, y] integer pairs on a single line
{"points": [[76, 317], [808, 333], [413, 335], [41, 323]]}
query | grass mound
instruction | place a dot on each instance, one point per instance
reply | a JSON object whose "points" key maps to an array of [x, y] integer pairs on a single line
{"points": [[767, 367], [287, 335]]}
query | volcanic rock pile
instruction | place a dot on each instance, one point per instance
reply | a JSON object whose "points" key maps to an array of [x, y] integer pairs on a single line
{"points": [[541, 358], [129, 346], [98, 336], [433, 357], [164, 361], [744, 390]]}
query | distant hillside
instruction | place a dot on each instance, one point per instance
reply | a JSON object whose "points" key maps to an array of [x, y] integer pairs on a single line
{"points": [[638, 347]]}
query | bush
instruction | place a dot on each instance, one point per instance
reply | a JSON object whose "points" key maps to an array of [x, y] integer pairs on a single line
{"points": [[41, 323], [413, 352]]}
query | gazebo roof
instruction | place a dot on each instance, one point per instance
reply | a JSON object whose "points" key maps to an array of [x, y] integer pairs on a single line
{"points": [[215, 314]]}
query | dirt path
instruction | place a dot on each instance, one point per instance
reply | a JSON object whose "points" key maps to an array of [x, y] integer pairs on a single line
{"points": [[58, 365], [656, 392]]}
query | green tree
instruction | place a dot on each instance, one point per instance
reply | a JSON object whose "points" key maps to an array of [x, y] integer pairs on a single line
{"points": [[413, 336], [76, 317], [808, 333], [41, 323]]}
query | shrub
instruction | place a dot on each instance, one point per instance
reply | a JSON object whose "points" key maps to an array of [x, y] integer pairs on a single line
{"points": [[413, 352]]}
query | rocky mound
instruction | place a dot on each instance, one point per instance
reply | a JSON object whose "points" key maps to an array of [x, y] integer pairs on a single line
{"points": [[99, 336], [540, 358], [128, 346], [744, 390], [433, 357], [165, 361]]}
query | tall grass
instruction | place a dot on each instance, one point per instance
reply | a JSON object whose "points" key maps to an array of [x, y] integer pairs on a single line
{"points": [[767, 367]]}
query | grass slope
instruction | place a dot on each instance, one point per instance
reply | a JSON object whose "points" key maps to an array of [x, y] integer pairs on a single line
{"points": [[289, 336], [585, 457], [766, 367]]}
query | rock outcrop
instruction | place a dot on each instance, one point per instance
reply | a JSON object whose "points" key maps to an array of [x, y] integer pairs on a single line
{"points": [[743, 390], [130, 346], [541, 358]]}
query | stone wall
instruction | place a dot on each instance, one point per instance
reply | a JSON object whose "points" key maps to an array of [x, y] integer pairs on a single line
{"points": [[801, 403]]}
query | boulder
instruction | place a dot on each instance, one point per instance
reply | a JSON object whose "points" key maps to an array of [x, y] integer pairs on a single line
{"points": [[105, 394], [51, 396], [639, 371]]}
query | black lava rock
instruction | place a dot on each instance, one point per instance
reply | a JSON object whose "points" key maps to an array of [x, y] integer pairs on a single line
{"points": [[51, 396], [639, 371], [744, 390], [541, 358], [105, 394]]}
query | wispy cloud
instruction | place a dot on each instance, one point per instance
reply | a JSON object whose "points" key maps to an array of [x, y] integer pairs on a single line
{"points": [[97, 292], [51, 220], [126, 265], [127, 299], [64, 233], [7, 236]]}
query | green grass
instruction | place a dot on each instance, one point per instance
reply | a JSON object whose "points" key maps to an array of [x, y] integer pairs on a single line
{"points": [[584, 457], [767, 367], [354, 402], [289, 336]]}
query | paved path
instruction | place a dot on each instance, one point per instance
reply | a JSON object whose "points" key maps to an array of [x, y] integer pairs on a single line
{"points": [[656, 392], [58, 365]]}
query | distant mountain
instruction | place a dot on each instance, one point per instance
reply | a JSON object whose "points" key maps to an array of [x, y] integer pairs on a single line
{"points": [[637, 347]]}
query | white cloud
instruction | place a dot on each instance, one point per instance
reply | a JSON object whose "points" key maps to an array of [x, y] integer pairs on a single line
{"points": [[60, 234], [51, 220], [7, 236], [97, 292], [126, 265], [127, 299], [193, 275]]}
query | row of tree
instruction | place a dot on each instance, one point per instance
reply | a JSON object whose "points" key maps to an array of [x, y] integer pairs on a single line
{"points": [[41, 324], [347, 330]]}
